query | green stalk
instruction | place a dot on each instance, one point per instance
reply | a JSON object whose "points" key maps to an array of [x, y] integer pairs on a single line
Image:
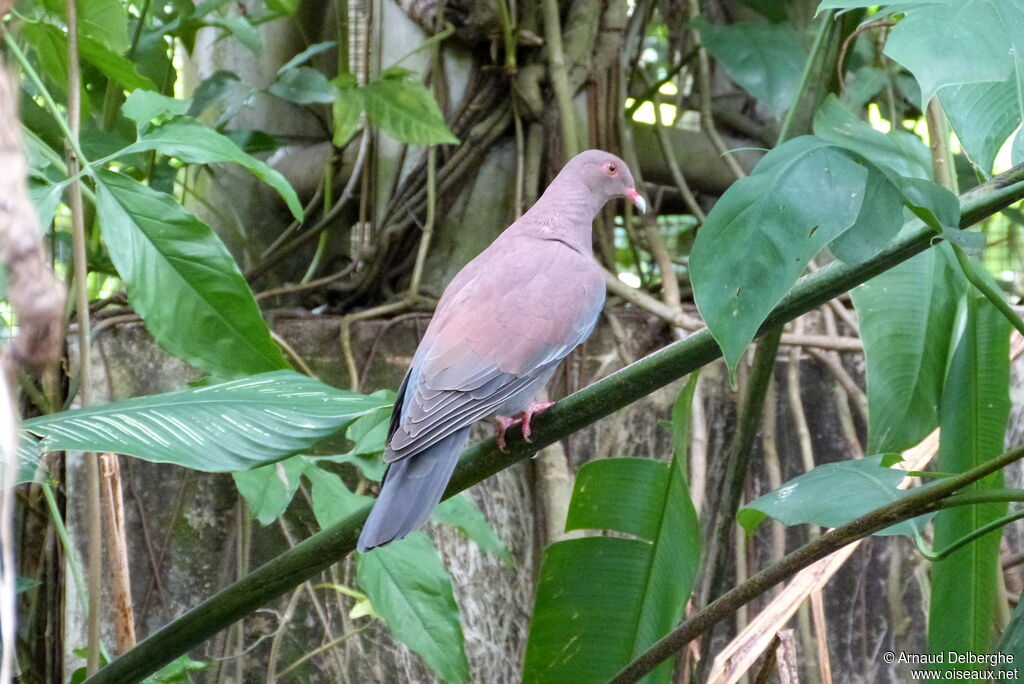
{"points": [[51, 105], [824, 27], [966, 539], [985, 288], [573, 413]]}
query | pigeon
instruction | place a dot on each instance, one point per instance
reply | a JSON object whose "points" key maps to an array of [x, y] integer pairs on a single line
{"points": [[500, 329]]}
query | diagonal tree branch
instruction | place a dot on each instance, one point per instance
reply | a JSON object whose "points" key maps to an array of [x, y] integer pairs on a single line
{"points": [[569, 415]]}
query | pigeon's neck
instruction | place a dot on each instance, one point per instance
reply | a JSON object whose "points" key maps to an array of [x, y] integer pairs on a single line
{"points": [[565, 211]]}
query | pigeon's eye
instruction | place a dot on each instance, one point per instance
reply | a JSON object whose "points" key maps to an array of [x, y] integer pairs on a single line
{"points": [[612, 169]]}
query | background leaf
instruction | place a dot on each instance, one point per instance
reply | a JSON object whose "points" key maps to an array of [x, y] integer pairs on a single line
{"points": [[765, 59], [221, 428], [406, 111], [461, 512], [303, 85], [409, 587], [190, 141], [182, 280], [270, 488]]}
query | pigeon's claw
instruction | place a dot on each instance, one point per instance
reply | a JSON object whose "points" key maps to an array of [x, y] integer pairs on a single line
{"points": [[532, 410], [502, 423]]}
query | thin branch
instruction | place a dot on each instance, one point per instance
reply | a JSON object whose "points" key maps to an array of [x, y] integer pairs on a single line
{"points": [[567, 416]]}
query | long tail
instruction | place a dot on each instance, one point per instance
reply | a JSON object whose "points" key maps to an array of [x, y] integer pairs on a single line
{"points": [[411, 489]]}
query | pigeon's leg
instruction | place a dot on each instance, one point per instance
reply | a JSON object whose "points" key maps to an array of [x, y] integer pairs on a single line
{"points": [[503, 423], [532, 410]]}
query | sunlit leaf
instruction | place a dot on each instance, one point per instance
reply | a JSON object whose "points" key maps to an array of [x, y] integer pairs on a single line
{"points": [[406, 111]]}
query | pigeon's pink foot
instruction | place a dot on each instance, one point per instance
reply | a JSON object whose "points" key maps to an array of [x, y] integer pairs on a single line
{"points": [[532, 410], [502, 423]]}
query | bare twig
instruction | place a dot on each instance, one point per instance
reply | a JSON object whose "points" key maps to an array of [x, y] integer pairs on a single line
{"points": [[120, 573]]}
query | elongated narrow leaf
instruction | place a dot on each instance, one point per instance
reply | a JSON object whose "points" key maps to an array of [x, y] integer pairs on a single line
{"points": [[182, 280], [409, 587], [406, 111], [758, 239], [832, 495], [974, 413], [906, 319], [270, 488], [190, 141], [765, 59], [222, 428], [601, 601]]}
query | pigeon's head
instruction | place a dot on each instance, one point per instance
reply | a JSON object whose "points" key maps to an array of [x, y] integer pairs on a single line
{"points": [[606, 176]]}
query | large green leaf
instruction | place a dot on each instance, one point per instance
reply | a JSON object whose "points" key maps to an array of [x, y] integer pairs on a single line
{"points": [[601, 601], [832, 495], [974, 412], [190, 141], [270, 488], [182, 280], [898, 159], [406, 110], [765, 59], [758, 239], [221, 428], [906, 319], [410, 589]]}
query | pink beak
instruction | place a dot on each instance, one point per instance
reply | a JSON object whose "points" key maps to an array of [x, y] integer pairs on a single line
{"points": [[637, 199]]}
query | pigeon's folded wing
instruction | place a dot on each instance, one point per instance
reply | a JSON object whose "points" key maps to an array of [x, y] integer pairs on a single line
{"points": [[510, 323]]}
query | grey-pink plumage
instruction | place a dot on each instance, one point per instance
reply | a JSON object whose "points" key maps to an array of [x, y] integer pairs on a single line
{"points": [[500, 329]]}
